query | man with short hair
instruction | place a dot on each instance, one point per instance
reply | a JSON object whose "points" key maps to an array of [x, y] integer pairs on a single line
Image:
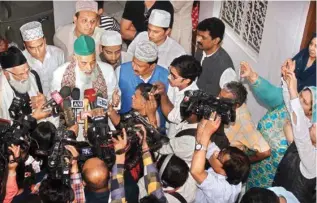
{"points": [[158, 32], [243, 133], [42, 58], [111, 49], [84, 72], [17, 81], [85, 23], [217, 65]]}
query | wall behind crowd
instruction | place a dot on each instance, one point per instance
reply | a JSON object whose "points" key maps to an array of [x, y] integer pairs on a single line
{"points": [[282, 36]]}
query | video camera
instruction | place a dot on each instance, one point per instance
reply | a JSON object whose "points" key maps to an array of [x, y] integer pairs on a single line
{"points": [[99, 135], [203, 105]]}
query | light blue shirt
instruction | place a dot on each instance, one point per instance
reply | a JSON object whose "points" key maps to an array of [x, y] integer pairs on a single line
{"points": [[282, 192]]}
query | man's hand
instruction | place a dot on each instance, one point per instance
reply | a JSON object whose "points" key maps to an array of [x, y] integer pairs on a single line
{"points": [[121, 141], [247, 72], [206, 128], [74, 128], [291, 82], [75, 155], [39, 113], [115, 98], [142, 136], [12, 158], [37, 101], [151, 107], [160, 88]]}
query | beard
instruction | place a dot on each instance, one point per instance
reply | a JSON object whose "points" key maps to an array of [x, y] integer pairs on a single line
{"points": [[22, 86], [87, 79]]}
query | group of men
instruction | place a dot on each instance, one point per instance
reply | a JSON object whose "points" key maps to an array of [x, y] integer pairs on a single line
{"points": [[86, 56]]}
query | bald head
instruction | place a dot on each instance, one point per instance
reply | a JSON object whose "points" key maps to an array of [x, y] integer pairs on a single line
{"points": [[95, 174]]}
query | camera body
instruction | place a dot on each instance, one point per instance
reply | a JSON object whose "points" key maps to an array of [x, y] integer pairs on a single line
{"points": [[203, 105]]}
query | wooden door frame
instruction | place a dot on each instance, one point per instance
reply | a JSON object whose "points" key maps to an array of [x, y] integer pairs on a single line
{"points": [[310, 26]]}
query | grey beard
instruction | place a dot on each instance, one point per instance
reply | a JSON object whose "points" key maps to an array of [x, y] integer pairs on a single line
{"points": [[20, 86], [88, 79]]}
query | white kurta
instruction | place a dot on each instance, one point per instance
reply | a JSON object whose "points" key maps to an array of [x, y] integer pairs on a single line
{"points": [[7, 94], [108, 74], [168, 51], [174, 117], [182, 26], [65, 37], [54, 58]]}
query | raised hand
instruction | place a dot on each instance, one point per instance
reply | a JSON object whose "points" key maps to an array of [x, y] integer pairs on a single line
{"points": [[206, 128], [160, 88], [115, 98], [38, 101], [247, 72], [12, 158]]}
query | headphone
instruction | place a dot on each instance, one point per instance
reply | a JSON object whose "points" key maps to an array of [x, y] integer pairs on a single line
{"points": [[162, 169]]}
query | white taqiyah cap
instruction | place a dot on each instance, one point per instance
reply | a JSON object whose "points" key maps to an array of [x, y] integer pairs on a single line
{"points": [[160, 18], [146, 51], [111, 38], [31, 31]]}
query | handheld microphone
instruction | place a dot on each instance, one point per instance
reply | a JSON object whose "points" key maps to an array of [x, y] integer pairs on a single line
{"points": [[76, 103], [57, 97], [70, 118], [86, 104], [90, 94], [101, 102]]}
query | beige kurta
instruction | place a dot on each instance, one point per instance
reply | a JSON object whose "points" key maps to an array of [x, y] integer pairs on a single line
{"points": [[65, 37], [182, 26]]}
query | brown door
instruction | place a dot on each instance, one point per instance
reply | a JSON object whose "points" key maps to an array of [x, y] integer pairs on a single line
{"points": [[310, 26]]}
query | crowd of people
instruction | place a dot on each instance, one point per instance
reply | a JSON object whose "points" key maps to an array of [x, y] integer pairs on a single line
{"points": [[85, 121]]}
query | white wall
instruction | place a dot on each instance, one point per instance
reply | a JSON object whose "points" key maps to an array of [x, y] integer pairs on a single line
{"points": [[283, 30], [63, 12]]}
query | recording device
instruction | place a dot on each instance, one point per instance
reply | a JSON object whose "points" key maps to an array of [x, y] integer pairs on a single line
{"points": [[59, 158], [100, 137], [57, 97], [14, 132], [203, 105], [69, 115], [16, 108]]}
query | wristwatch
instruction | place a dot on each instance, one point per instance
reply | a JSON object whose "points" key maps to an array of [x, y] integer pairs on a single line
{"points": [[200, 147]]}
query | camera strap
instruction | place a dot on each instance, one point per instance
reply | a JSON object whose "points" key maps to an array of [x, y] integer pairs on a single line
{"points": [[187, 132]]}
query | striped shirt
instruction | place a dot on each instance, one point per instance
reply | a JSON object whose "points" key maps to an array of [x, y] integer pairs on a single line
{"points": [[109, 23]]}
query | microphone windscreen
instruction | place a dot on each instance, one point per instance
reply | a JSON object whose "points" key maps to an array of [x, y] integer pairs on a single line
{"points": [[99, 94], [75, 95], [65, 91], [90, 94], [66, 104]]}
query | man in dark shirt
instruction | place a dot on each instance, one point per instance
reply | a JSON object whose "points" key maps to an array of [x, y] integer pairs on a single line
{"points": [[136, 14], [217, 66]]}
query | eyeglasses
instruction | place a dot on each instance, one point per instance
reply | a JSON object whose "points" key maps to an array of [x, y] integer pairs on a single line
{"points": [[173, 77], [20, 75]]}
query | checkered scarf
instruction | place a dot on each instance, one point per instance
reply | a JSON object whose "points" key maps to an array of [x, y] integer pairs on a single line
{"points": [[69, 79]]}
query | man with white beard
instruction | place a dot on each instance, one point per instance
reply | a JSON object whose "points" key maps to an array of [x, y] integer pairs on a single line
{"points": [[84, 72], [17, 80]]}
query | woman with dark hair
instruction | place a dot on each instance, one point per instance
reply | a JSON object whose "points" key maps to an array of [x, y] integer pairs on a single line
{"points": [[305, 70]]}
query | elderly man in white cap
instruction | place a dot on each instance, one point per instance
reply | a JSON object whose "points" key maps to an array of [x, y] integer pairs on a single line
{"points": [[42, 58], [85, 23], [111, 49], [158, 31]]}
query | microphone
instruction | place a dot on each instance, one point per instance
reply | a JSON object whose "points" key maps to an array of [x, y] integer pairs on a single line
{"points": [[70, 118], [57, 97], [101, 102], [76, 103], [90, 94], [86, 104]]}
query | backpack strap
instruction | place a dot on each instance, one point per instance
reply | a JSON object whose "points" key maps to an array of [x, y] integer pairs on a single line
{"points": [[188, 132], [178, 196], [38, 81]]}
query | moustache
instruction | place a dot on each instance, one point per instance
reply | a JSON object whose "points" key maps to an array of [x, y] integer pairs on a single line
{"points": [[199, 43]]}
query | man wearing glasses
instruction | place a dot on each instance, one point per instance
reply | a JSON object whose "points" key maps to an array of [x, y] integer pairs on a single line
{"points": [[17, 81]]}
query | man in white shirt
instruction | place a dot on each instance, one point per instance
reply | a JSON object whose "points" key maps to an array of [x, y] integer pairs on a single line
{"points": [[42, 58], [85, 23], [184, 71], [158, 32], [111, 49], [230, 167], [85, 72], [217, 64]]}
